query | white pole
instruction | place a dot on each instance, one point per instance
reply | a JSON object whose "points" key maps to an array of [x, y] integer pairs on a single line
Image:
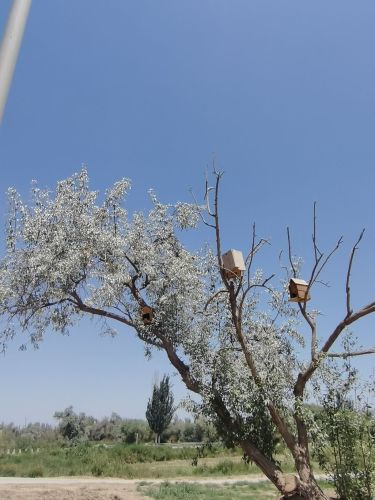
{"points": [[10, 47]]}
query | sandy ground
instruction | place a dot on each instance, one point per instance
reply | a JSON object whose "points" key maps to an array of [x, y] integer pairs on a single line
{"points": [[68, 490], [106, 492], [80, 488], [86, 488]]}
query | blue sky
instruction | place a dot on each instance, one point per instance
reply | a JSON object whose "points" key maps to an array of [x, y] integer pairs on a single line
{"points": [[280, 92]]}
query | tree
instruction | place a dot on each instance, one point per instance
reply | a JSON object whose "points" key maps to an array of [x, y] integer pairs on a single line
{"points": [[235, 341], [71, 425], [348, 455], [160, 409]]}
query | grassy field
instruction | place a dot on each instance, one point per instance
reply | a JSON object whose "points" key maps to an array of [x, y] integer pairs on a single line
{"points": [[134, 461], [186, 491], [234, 491], [147, 463]]}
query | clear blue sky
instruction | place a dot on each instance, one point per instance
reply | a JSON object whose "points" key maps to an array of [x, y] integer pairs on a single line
{"points": [[282, 92]]}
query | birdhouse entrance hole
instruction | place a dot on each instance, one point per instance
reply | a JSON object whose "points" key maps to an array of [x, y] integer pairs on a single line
{"points": [[147, 314]]}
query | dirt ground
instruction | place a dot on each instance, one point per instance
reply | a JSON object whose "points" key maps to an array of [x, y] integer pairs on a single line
{"points": [[90, 488], [55, 492], [18, 488], [82, 489]]}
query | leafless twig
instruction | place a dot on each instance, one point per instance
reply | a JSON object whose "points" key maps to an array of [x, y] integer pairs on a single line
{"points": [[349, 309], [207, 206], [345, 355], [290, 254], [214, 297]]}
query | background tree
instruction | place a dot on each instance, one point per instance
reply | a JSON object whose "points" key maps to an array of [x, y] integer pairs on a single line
{"points": [[346, 418], [232, 340], [72, 426], [160, 409]]}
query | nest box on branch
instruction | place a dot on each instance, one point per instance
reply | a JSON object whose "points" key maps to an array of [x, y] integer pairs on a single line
{"points": [[298, 290], [233, 264], [147, 314]]}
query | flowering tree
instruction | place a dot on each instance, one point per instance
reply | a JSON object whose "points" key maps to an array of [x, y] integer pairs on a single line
{"points": [[68, 255]]}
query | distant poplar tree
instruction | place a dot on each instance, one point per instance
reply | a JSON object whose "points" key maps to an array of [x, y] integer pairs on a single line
{"points": [[160, 407]]}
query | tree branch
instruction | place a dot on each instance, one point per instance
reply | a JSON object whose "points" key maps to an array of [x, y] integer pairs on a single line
{"points": [[217, 230], [348, 320], [348, 354], [182, 368], [316, 249], [98, 312], [349, 310], [207, 206], [313, 280], [213, 298], [290, 254]]}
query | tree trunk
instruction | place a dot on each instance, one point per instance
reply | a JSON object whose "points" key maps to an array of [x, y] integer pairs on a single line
{"points": [[289, 485], [305, 485]]}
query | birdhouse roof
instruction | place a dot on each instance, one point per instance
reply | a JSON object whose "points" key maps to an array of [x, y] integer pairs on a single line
{"points": [[298, 281], [232, 250]]}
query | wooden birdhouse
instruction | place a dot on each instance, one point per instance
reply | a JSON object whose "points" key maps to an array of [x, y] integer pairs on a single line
{"points": [[147, 314], [233, 264], [298, 290]]}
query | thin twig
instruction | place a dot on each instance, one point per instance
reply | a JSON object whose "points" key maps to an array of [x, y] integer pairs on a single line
{"points": [[290, 254], [349, 309], [259, 285], [213, 298], [316, 249], [200, 213], [339, 241]]}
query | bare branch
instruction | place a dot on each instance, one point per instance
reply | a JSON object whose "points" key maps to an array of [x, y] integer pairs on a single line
{"points": [[348, 320], [132, 263], [200, 213], [214, 297], [259, 285], [255, 247], [207, 197], [324, 283], [345, 355], [316, 249], [312, 326], [217, 231], [249, 258], [369, 309], [98, 312], [290, 254], [339, 241], [349, 310]]}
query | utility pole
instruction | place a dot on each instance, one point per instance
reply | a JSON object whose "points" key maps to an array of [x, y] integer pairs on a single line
{"points": [[10, 47]]}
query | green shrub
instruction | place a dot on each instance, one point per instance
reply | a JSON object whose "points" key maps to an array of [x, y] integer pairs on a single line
{"points": [[97, 470], [35, 472], [225, 467], [350, 460], [8, 470]]}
